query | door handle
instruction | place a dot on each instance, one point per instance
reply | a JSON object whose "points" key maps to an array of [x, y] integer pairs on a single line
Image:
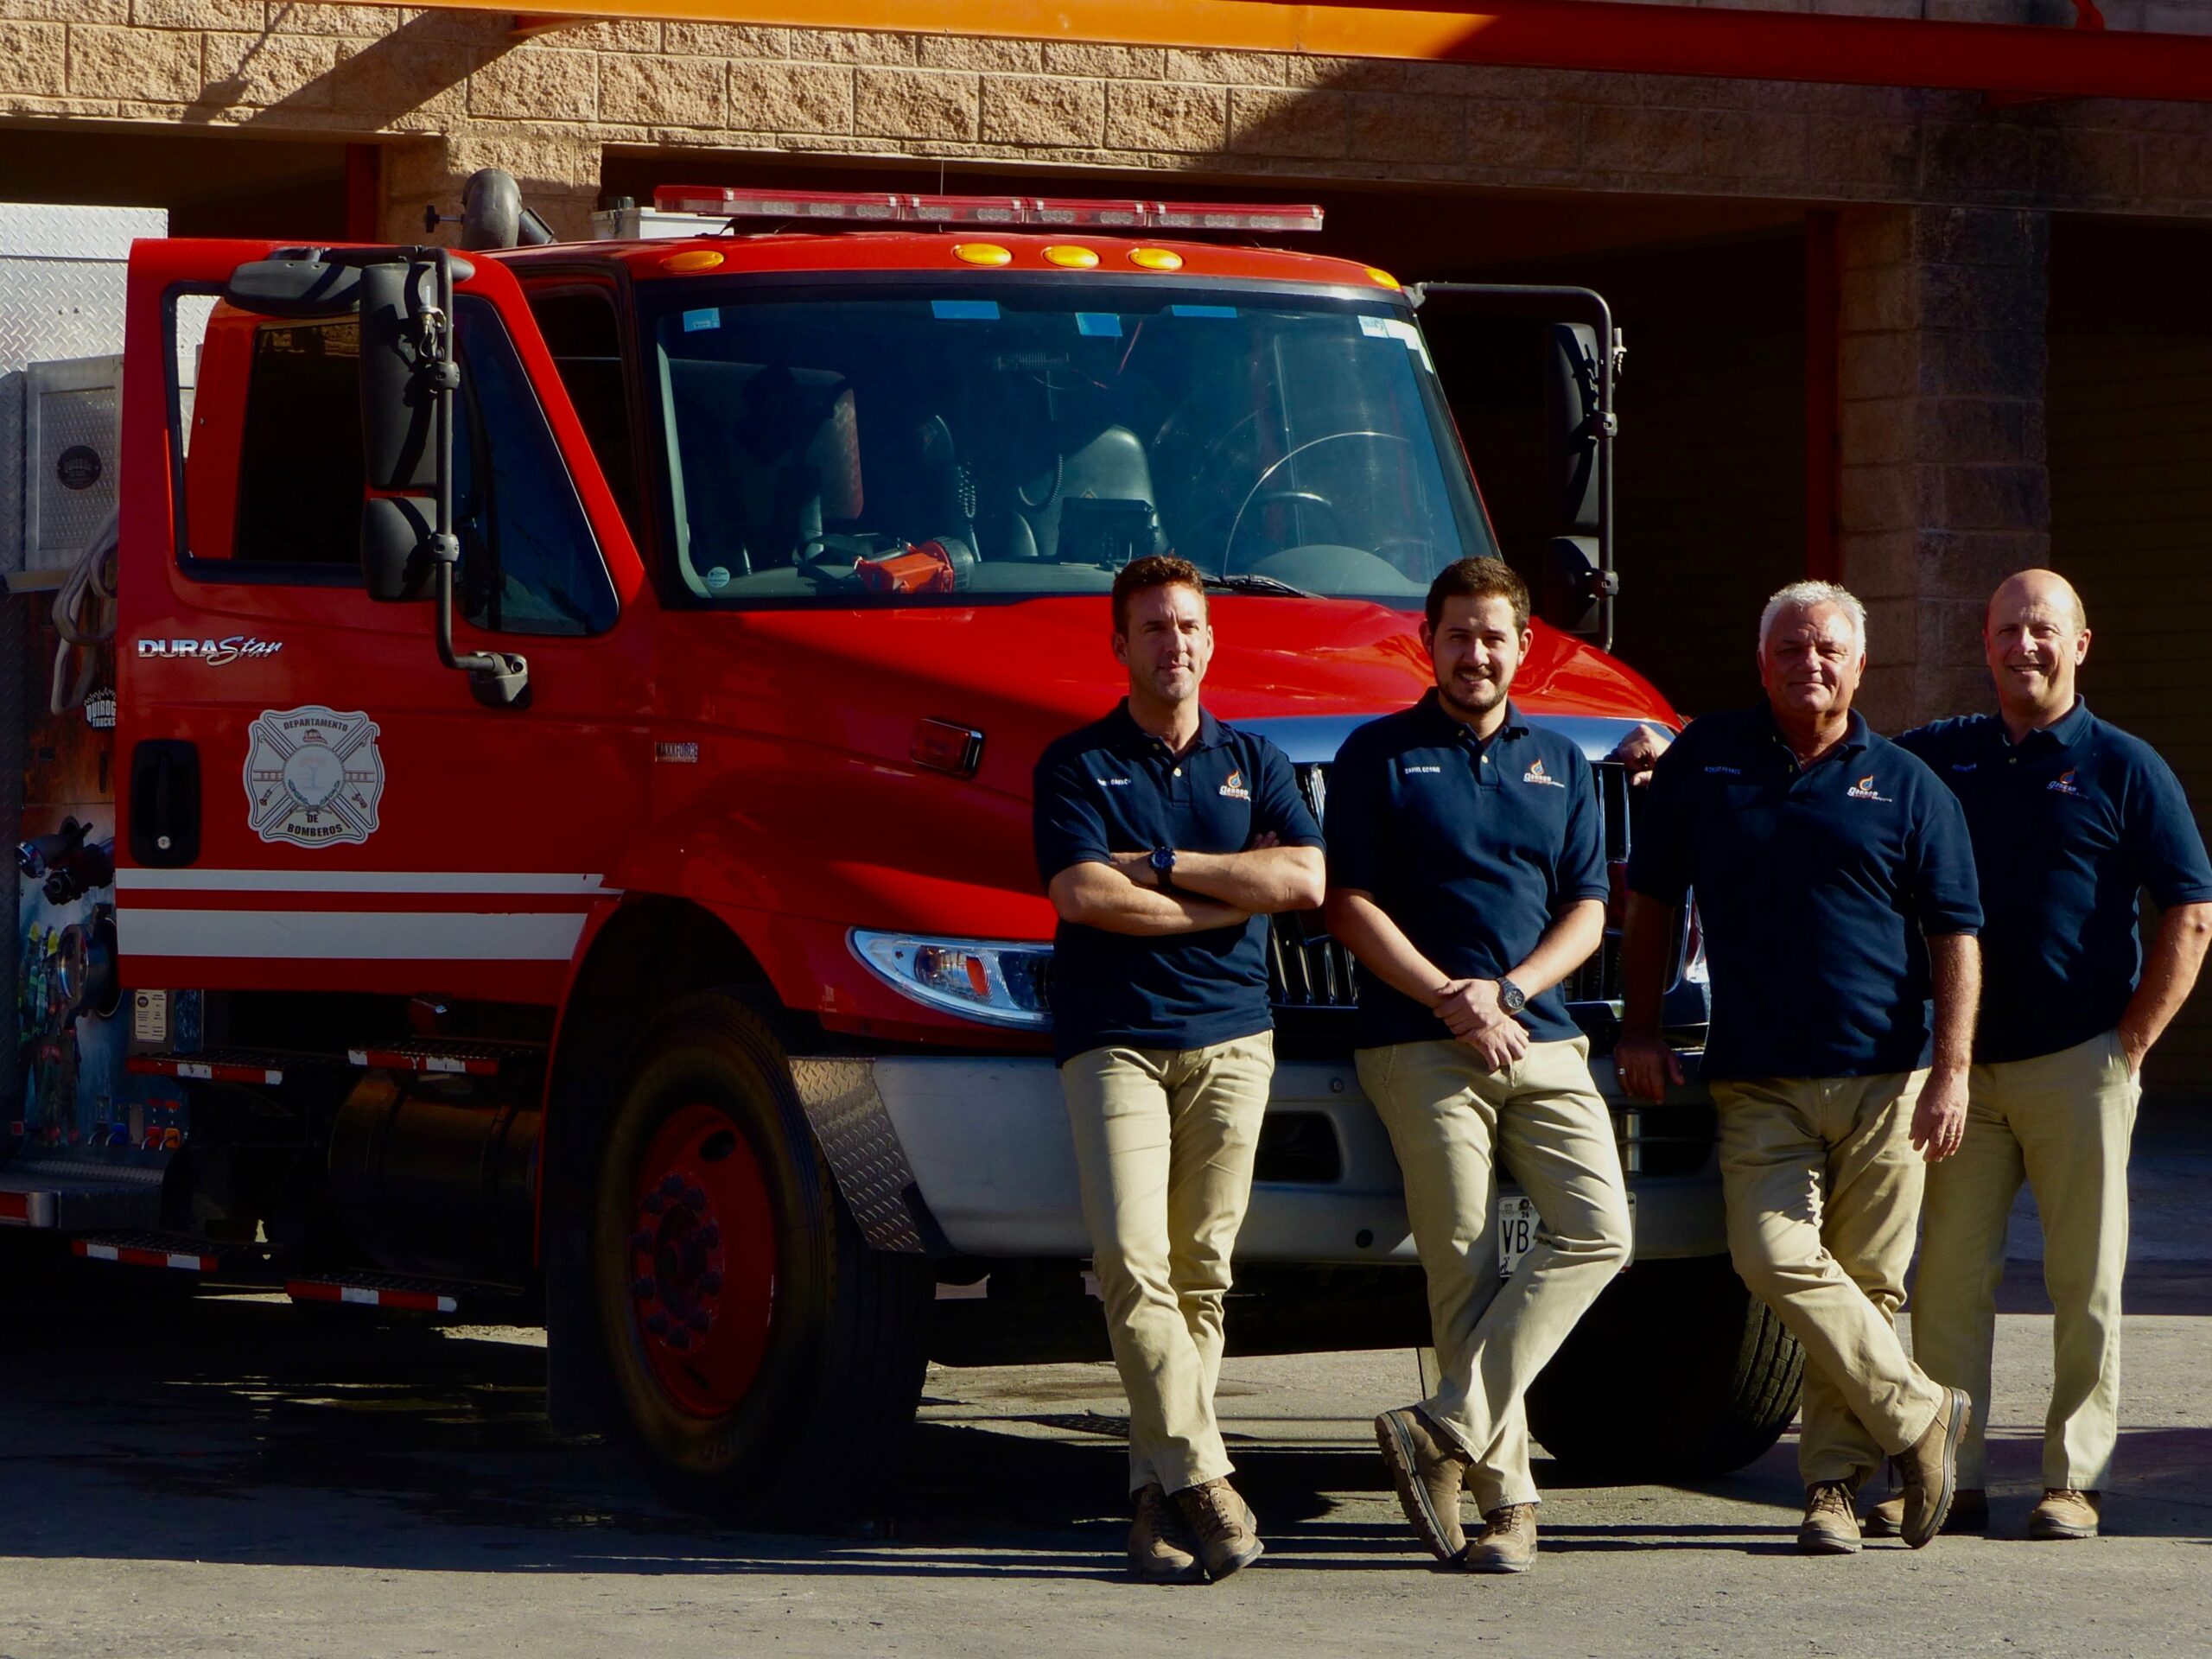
{"points": [[165, 802]]}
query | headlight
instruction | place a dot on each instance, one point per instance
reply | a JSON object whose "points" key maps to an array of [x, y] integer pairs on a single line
{"points": [[1000, 982]]}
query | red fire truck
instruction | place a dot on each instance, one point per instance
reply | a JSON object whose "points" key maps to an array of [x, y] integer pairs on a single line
{"points": [[561, 847]]}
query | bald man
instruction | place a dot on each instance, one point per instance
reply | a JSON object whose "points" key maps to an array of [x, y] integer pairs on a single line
{"points": [[2071, 818]]}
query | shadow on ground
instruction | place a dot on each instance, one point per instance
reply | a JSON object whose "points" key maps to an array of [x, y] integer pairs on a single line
{"points": [[146, 1427]]}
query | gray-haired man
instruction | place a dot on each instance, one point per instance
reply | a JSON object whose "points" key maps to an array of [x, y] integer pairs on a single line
{"points": [[1835, 886]]}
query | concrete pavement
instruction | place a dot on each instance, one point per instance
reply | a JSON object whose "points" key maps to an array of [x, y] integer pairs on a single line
{"points": [[231, 1475]]}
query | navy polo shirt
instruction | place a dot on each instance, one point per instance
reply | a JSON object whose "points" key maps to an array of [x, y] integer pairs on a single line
{"points": [[2068, 826], [1113, 787], [1471, 845], [1815, 889]]}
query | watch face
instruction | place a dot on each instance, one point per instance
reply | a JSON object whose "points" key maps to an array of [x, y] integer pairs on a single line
{"points": [[1511, 997]]}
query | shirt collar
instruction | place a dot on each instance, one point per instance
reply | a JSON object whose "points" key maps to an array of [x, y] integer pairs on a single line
{"points": [[1857, 733], [1212, 733], [1448, 730], [2066, 732]]}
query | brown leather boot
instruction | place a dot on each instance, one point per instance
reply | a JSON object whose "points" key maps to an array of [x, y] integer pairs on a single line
{"points": [[1969, 1513], [1430, 1473], [1930, 1468], [1829, 1528], [2065, 1513], [1506, 1543], [1159, 1544], [1222, 1527]]}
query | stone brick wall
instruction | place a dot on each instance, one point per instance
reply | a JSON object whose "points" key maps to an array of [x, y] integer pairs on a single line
{"points": [[1944, 489], [452, 92]]}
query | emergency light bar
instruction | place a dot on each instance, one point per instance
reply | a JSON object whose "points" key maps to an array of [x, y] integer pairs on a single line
{"points": [[868, 207]]}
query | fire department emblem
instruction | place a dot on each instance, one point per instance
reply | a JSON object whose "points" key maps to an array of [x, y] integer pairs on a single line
{"points": [[313, 776]]}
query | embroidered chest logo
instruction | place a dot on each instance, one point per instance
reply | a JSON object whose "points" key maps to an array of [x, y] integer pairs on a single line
{"points": [[1864, 790], [2063, 784], [1536, 774], [1964, 766], [1234, 789], [313, 776]]}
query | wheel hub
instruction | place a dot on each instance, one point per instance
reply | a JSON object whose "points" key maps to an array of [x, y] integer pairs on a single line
{"points": [[701, 1257]]}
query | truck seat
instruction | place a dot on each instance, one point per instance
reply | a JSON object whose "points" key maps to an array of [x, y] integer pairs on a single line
{"points": [[767, 455], [1104, 466]]}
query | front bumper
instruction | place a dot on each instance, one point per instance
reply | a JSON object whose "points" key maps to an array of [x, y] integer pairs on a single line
{"points": [[971, 1154]]}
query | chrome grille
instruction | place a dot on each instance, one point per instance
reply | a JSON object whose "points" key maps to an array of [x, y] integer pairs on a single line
{"points": [[1307, 969]]}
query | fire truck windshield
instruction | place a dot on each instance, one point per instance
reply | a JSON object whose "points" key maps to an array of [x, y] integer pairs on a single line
{"points": [[886, 444]]}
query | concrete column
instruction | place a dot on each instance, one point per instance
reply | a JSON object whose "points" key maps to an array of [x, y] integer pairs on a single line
{"points": [[1944, 488]]}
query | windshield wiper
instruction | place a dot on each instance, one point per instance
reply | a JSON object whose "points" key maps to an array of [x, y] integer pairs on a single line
{"points": [[1252, 583]]}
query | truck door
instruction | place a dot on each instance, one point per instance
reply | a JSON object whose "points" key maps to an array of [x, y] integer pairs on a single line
{"points": [[312, 801]]}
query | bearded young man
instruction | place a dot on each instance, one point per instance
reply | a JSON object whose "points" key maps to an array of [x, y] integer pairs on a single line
{"points": [[1164, 839], [1467, 876]]}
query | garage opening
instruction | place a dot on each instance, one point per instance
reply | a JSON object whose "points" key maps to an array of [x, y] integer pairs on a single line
{"points": [[2129, 416], [213, 184]]}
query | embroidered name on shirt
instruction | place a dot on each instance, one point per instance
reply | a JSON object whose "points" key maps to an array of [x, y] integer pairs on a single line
{"points": [[1233, 788], [2063, 784], [1964, 766], [1115, 783], [1536, 774], [1723, 771], [1410, 771], [1864, 790]]}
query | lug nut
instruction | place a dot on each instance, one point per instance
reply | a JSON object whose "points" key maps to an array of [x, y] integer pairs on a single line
{"points": [[652, 1204], [671, 1185], [695, 1199], [643, 1289]]}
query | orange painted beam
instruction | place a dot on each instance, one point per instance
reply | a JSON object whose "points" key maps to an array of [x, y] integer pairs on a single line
{"points": [[2008, 60]]}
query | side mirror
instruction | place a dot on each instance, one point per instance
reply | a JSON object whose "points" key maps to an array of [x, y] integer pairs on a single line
{"points": [[398, 386], [296, 289], [1572, 589], [1573, 422], [396, 532]]}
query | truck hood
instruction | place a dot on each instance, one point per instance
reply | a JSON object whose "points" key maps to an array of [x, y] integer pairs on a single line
{"points": [[804, 726], [1023, 673]]}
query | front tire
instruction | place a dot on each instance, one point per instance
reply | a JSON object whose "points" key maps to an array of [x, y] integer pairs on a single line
{"points": [[763, 1361], [1676, 1373]]}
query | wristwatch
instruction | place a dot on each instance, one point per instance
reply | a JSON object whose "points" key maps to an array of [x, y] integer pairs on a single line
{"points": [[1163, 866], [1510, 997]]}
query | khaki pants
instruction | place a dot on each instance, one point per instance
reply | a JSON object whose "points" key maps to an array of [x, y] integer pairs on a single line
{"points": [[1823, 1191], [2061, 1122], [1451, 1122], [1164, 1144]]}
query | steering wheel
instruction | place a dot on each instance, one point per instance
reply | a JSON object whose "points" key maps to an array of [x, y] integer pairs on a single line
{"points": [[1260, 493], [1297, 498]]}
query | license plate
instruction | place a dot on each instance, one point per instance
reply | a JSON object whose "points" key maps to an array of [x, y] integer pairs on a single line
{"points": [[1516, 1230]]}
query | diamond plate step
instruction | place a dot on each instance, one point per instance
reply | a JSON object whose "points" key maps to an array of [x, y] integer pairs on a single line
{"points": [[79, 1197], [181, 1252], [266, 1067], [391, 1290], [452, 1056]]}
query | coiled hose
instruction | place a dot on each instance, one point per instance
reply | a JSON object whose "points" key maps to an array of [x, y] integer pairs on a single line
{"points": [[83, 615]]}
